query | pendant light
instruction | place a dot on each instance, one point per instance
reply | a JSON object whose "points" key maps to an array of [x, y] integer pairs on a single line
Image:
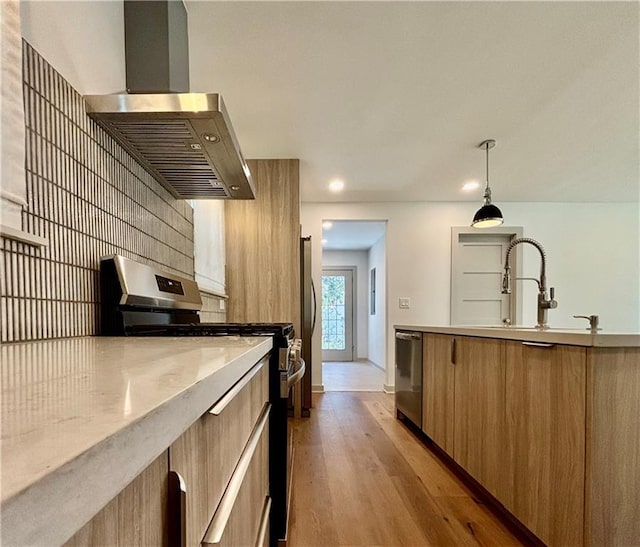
{"points": [[488, 215]]}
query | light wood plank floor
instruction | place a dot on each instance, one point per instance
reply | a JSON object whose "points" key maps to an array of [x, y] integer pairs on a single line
{"points": [[352, 376], [361, 478]]}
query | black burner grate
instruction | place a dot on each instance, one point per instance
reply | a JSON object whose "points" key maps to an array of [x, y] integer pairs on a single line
{"points": [[213, 329]]}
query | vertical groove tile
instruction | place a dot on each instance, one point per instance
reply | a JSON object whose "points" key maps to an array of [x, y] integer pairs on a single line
{"points": [[89, 198]]}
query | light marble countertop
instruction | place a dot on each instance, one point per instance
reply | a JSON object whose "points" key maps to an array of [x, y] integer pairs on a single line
{"points": [[82, 417], [573, 337]]}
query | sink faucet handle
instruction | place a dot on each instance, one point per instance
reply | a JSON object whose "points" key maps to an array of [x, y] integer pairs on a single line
{"points": [[594, 320], [552, 304]]}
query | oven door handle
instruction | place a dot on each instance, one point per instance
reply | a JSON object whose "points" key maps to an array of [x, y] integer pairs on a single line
{"points": [[297, 375]]}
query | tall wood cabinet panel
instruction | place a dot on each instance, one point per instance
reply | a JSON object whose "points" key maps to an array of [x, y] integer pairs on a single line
{"points": [[613, 450], [136, 516], [262, 241], [479, 435], [438, 389], [546, 428]]}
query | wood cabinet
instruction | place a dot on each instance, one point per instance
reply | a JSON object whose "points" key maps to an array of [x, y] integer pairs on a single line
{"points": [[223, 461], [262, 240], [206, 455], [479, 409], [545, 420], [136, 516], [238, 521], [513, 415], [612, 509], [437, 395]]}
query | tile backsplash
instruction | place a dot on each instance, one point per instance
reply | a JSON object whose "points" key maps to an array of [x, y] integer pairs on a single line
{"points": [[89, 198], [211, 312]]}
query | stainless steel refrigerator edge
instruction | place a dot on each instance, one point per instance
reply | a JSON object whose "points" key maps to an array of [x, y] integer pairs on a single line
{"points": [[309, 308], [409, 376]]}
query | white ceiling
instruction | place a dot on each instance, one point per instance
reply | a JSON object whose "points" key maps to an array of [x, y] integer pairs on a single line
{"points": [[353, 235], [393, 97]]}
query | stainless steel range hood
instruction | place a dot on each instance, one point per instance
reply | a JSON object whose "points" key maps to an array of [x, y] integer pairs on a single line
{"points": [[185, 140]]}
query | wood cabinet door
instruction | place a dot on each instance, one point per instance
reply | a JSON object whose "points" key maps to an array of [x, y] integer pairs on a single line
{"points": [[247, 514], [206, 454], [438, 389], [262, 241], [136, 516], [479, 413], [546, 428]]}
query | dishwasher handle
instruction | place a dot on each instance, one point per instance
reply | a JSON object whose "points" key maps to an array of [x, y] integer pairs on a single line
{"points": [[407, 336]]}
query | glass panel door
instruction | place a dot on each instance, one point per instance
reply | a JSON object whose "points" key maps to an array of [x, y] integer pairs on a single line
{"points": [[337, 315]]}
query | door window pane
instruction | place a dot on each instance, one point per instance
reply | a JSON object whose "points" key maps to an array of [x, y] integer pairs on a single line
{"points": [[333, 312]]}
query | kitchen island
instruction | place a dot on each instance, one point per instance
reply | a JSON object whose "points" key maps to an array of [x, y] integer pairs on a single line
{"points": [[572, 337], [83, 417], [547, 422]]}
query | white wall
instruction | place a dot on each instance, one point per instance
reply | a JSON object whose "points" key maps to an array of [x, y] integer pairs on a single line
{"points": [[377, 322], [208, 245], [84, 41], [359, 259], [593, 259]]}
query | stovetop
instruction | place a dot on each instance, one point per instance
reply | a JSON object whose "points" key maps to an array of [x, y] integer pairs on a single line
{"points": [[212, 329]]}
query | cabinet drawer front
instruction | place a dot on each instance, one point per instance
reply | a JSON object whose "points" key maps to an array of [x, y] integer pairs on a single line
{"points": [[239, 519], [207, 453], [145, 498]]}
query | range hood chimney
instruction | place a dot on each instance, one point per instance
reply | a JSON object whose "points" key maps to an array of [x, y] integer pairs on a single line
{"points": [[156, 46], [185, 140]]}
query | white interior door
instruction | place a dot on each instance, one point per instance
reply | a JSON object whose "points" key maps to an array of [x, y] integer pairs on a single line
{"points": [[337, 314], [477, 260]]}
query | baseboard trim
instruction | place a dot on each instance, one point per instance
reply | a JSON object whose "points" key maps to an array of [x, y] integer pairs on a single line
{"points": [[317, 388], [388, 388], [354, 390], [377, 366]]}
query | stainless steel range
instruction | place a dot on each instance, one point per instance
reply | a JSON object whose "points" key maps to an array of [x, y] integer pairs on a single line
{"points": [[137, 300]]}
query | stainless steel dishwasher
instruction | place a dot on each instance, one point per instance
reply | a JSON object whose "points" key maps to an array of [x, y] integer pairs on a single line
{"points": [[409, 376]]}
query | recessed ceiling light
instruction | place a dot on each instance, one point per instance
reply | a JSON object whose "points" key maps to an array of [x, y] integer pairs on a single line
{"points": [[336, 185], [470, 186], [324, 241], [327, 225]]}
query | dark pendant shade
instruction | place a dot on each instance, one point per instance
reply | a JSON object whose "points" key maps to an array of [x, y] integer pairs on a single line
{"points": [[488, 215]]}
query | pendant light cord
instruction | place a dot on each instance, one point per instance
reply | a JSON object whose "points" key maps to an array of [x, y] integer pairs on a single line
{"points": [[487, 190], [487, 149]]}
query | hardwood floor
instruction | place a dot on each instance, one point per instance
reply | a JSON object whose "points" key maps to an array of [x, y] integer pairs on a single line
{"points": [[361, 478], [352, 376]]}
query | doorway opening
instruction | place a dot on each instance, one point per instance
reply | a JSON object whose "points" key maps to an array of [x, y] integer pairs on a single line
{"points": [[353, 305]]}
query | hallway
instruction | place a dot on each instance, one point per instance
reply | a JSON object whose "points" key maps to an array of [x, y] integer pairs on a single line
{"points": [[362, 479], [352, 376]]}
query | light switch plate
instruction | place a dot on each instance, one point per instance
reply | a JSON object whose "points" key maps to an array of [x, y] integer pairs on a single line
{"points": [[404, 302], [221, 304]]}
